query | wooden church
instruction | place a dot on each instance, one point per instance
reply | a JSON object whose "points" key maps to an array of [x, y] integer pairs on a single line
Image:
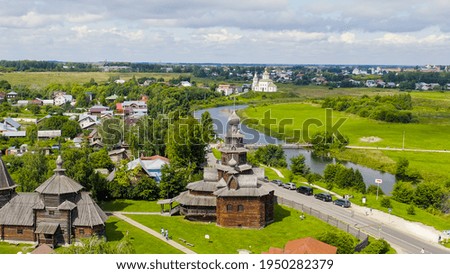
{"points": [[57, 213], [231, 193]]}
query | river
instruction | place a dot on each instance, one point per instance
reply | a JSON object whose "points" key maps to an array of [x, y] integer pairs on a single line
{"points": [[316, 163]]}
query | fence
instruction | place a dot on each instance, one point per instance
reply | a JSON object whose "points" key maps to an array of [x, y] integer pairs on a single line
{"points": [[362, 237]]}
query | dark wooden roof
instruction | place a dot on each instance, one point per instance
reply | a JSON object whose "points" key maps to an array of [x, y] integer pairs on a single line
{"points": [[46, 228], [185, 198], [59, 183], [19, 211], [6, 182], [67, 205], [88, 213]]}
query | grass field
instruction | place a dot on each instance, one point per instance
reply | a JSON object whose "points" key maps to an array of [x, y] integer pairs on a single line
{"points": [[7, 248], [287, 226], [296, 115], [36, 80], [143, 242]]}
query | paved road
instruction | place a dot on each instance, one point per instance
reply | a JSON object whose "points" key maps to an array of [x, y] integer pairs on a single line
{"points": [[405, 237]]}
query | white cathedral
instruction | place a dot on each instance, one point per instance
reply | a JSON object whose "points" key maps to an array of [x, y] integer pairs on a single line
{"points": [[265, 84]]}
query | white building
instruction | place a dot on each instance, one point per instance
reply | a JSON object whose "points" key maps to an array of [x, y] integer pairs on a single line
{"points": [[61, 99], [265, 84], [226, 89]]}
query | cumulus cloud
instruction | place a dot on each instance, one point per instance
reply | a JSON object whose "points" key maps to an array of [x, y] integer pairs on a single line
{"points": [[242, 30]]}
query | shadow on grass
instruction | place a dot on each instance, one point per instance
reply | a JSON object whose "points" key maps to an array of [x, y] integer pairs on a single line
{"points": [[280, 213], [114, 205], [112, 232]]}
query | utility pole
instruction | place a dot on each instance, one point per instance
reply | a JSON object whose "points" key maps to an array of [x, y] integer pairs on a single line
{"points": [[403, 146]]}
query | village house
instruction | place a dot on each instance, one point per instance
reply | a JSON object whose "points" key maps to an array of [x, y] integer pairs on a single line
{"points": [[97, 110], [304, 246], [132, 107], [150, 165], [60, 98], [226, 89], [231, 193], [58, 212], [12, 95], [87, 121]]}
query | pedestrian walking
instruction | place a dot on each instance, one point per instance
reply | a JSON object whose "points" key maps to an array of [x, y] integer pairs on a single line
{"points": [[162, 231], [422, 251], [167, 234]]}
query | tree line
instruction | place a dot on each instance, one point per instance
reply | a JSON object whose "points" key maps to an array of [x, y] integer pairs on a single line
{"points": [[392, 108]]}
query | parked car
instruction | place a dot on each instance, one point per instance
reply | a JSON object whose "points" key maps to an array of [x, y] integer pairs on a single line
{"points": [[326, 197], [305, 190], [342, 203], [277, 182], [290, 186]]}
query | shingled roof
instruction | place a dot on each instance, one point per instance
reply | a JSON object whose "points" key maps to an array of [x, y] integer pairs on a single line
{"points": [[6, 182], [88, 212], [59, 183], [19, 211]]}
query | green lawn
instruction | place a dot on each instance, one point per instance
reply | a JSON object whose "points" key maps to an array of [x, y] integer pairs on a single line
{"points": [[7, 248], [287, 226], [143, 242], [130, 206], [295, 115]]}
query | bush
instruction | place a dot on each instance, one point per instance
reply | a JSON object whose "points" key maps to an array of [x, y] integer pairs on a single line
{"points": [[376, 247], [411, 210], [385, 202]]}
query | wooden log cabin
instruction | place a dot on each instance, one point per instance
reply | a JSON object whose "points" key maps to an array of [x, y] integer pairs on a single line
{"points": [[232, 193], [57, 213]]}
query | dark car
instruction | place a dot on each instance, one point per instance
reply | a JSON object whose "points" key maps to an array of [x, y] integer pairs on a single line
{"points": [[305, 190], [326, 197], [342, 203], [277, 182]]}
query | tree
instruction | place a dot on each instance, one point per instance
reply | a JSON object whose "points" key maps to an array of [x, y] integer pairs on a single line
{"points": [[186, 146], [35, 109], [174, 180], [32, 173], [429, 194], [403, 192], [101, 159], [298, 166], [207, 127], [271, 155], [5, 85]]}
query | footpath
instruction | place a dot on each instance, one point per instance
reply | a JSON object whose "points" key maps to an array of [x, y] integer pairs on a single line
{"points": [[158, 235]]}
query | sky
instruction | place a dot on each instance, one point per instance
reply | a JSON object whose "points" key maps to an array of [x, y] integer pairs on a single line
{"points": [[390, 32]]}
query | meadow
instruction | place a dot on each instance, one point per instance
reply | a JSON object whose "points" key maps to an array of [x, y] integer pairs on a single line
{"points": [[295, 116], [39, 80], [287, 226]]}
